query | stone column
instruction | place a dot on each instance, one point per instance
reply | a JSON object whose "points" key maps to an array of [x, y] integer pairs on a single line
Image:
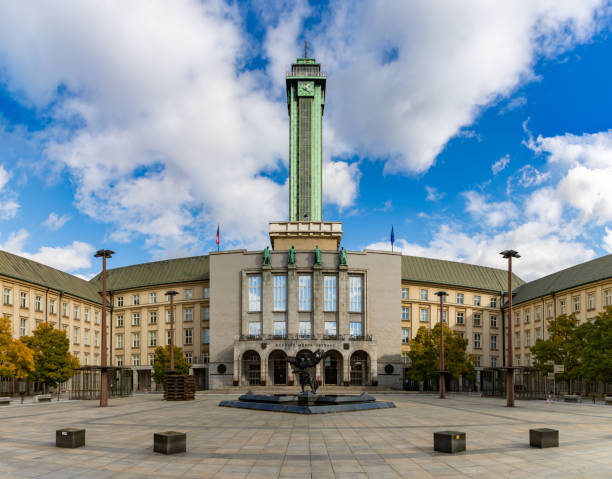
{"points": [[292, 301], [244, 327], [263, 372], [343, 302], [236, 367], [346, 369], [267, 301], [319, 372], [373, 370], [317, 302]]}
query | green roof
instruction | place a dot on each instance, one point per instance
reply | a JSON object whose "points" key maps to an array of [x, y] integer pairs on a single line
{"points": [[591, 271], [453, 273], [169, 271], [24, 269]]}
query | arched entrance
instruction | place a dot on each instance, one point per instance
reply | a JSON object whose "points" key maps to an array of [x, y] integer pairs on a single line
{"points": [[277, 365], [251, 368], [360, 366], [332, 368]]}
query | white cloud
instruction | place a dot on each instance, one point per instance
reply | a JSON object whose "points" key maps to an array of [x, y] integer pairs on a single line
{"points": [[530, 176], [500, 164], [433, 194], [8, 206], [54, 222], [341, 183], [492, 213], [513, 104], [607, 240], [588, 190], [74, 256]]}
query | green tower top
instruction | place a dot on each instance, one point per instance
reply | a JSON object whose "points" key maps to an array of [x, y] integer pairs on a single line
{"points": [[305, 102]]}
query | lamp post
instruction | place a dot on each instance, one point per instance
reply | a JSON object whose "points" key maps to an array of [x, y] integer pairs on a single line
{"points": [[509, 254], [442, 294], [104, 253], [172, 294]]}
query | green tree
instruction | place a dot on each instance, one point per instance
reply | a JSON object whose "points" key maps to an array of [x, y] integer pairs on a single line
{"points": [[596, 364], [161, 365], [16, 359], [425, 355], [53, 363], [564, 346]]}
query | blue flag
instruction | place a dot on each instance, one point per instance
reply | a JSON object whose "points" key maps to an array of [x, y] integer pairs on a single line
{"points": [[392, 237]]}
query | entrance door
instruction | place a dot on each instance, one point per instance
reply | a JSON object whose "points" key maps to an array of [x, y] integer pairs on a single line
{"points": [[331, 370], [280, 371]]}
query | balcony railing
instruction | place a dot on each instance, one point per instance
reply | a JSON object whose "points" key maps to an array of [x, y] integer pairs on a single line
{"points": [[330, 337]]}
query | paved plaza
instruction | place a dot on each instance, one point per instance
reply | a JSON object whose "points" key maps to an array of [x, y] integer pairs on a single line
{"points": [[234, 443]]}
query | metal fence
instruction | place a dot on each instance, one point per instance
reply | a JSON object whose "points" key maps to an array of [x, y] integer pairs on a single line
{"points": [[86, 382]]}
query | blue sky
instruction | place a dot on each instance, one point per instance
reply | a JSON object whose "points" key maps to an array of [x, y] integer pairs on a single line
{"points": [[139, 126]]}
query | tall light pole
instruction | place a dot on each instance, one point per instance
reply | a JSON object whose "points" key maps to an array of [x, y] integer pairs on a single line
{"points": [[509, 254], [172, 294], [442, 294], [104, 253]]}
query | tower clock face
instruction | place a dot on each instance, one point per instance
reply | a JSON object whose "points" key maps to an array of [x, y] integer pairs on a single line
{"points": [[305, 88]]}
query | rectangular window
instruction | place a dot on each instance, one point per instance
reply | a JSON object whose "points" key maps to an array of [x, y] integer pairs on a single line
{"points": [[424, 315], [206, 314], [329, 293], [477, 320], [87, 315], [152, 338], [405, 335], [23, 300], [424, 295], [576, 304], [254, 293], [330, 329], [527, 339], [607, 298], [477, 340], [119, 360], [136, 360], [355, 286], [493, 302], [76, 312], [517, 319], [119, 320], [478, 361], [151, 359], [7, 296], [119, 301], [255, 329], [135, 340], [493, 341], [86, 359], [549, 310], [305, 329], [355, 329], [65, 309], [206, 336], [96, 338], [206, 293], [460, 316], [168, 316], [591, 301], [52, 306], [38, 303], [152, 298], [152, 317], [96, 318], [459, 298], [188, 314], [517, 360], [120, 341], [405, 293], [527, 315], [493, 361], [136, 299], [562, 305], [517, 339], [476, 300], [189, 294], [494, 321], [538, 313], [537, 334], [76, 336], [189, 357], [527, 359], [405, 314], [22, 328], [280, 292], [136, 319], [304, 287], [280, 329], [405, 358], [443, 316], [168, 336], [86, 337]]}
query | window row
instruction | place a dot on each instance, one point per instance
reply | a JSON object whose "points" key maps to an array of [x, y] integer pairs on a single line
{"points": [[38, 306], [188, 356], [152, 317], [305, 329], [460, 298], [187, 295], [152, 338]]}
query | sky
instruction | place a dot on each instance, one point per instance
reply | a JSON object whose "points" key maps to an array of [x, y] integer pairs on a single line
{"points": [[470, 127]]}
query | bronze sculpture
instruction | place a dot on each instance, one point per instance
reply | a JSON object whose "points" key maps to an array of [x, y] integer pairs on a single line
{"points": [[317, 255], [301, 363], [267, 256], [342, 257], [291, 259]]}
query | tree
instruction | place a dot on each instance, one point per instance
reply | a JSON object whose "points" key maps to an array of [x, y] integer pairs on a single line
{"points": [[425, 355], [596, 364], [564, 346], [53, 363], [161, 365], [16, 359]]}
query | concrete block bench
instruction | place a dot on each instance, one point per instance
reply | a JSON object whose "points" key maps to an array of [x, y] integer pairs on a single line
{"points": [[42, 398], [5, 401], [449, 441], [572, 398], [544, 437], [608, 400], [70, 437], [170, 442]]}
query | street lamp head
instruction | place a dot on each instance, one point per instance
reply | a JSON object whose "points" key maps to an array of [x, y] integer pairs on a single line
{"points": [[510, 253], [105, 253], [441, 293], [171, 293]]}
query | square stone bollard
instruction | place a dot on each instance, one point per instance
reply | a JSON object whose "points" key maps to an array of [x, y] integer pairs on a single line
{"points": [[449, 441], [544, 437], [70, 437], [170, 442]]}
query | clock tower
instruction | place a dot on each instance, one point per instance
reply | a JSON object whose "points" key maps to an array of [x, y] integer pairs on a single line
{"points": [[305, 102]]}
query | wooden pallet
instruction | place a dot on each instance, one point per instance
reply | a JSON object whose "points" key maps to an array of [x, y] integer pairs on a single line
{"points": [[179, 387]]}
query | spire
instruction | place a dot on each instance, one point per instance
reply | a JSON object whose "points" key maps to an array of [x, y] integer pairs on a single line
{"points": [[305, 48]]}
